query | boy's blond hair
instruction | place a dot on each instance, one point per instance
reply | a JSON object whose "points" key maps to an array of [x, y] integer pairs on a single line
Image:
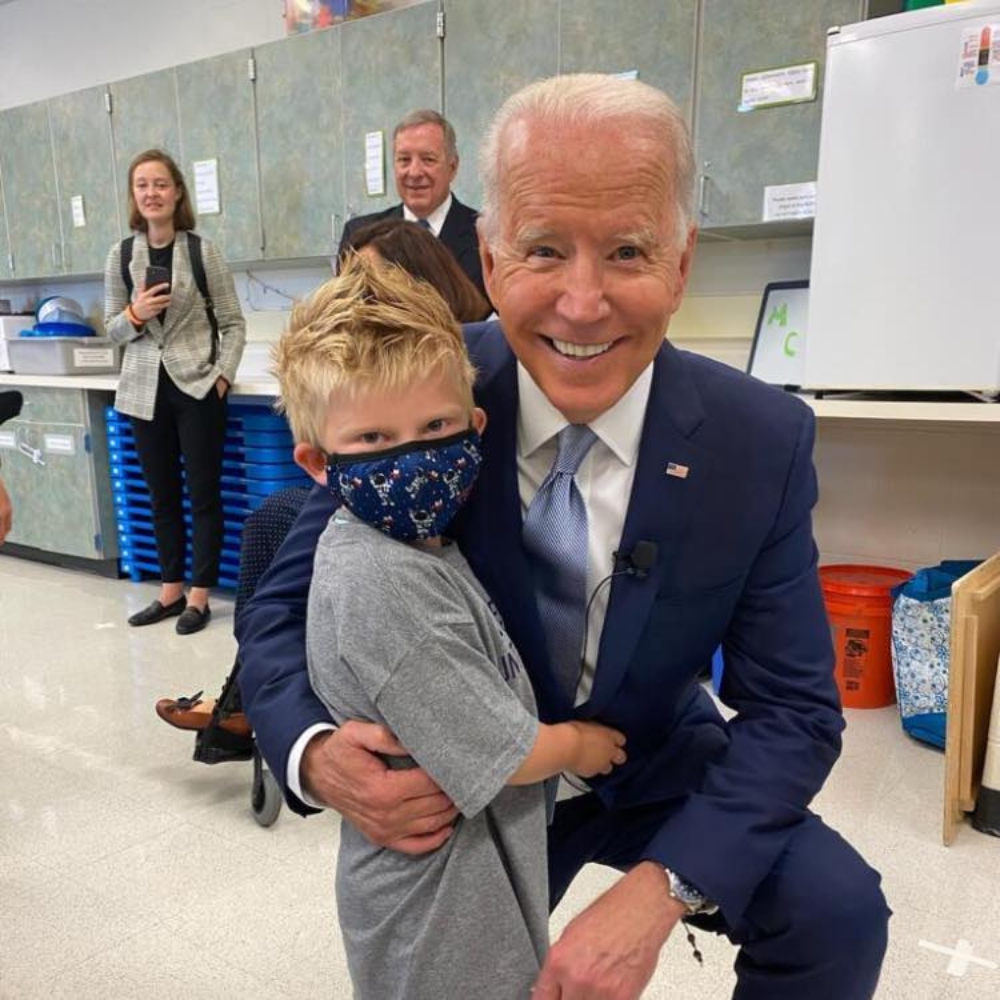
{"points": [[372, 327]]}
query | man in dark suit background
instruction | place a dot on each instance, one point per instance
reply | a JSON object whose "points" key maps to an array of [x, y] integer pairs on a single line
{"points": [[425, 162]]}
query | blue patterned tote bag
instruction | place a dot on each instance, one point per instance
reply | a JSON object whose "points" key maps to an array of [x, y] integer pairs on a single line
{"points": [[921, 636]]}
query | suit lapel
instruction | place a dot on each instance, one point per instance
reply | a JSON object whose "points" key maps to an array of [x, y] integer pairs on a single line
{"points": [[459, 228], [659, 509]]}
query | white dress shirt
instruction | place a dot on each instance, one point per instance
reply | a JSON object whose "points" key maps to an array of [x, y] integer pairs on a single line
{"points": [[436, 219]]}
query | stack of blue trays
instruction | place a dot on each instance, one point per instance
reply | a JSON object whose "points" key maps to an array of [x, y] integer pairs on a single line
{"points": [[257, 461]]}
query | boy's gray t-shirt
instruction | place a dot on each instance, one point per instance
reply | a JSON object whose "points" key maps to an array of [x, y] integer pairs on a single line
{"points": [[407, 637]]}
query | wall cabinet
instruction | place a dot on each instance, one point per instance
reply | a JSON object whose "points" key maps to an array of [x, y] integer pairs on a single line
{"points": [[81, 143], [299, 137], [654, 38], [216, 106], [30, 191], [740, 153], [56, 471]]}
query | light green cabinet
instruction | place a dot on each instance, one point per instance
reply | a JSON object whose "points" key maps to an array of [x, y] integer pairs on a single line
{"points": [[653, 38], [739, 153], [491, 50], [81, 142], [391, 65], [30, 191], [144, 115], [216, 102], [300, 138], [56, 471]]}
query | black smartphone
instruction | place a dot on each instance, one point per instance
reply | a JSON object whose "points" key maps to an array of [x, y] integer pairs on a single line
{"points": [[156, 275]]}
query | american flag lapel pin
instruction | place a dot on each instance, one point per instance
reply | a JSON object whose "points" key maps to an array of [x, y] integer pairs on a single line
{"points": [[677, 470]]}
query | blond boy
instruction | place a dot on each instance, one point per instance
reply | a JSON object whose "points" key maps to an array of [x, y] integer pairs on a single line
{"points": [[377, 386]]}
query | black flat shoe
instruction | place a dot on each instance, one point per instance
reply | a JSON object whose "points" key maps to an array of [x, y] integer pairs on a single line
{"points": [[193, 620], [156, 612]]}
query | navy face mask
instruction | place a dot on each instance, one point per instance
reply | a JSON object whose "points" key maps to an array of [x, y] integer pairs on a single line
{"points": [[410, 492]]}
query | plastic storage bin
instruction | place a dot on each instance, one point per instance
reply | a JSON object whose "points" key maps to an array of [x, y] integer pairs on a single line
{"points": [[63, 355]]}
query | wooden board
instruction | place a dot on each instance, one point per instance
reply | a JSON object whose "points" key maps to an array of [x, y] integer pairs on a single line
{"points": [[972, 673]]}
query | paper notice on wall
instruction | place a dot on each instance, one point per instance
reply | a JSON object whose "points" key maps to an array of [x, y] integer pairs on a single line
{"points": [[773, 87], [76, 210], [374, 163], [206, 187], [8, 440], [789, 201], [979, 63]]}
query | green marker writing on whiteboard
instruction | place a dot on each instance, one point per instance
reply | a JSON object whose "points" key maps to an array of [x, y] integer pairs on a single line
{"points": [[790, 350]]}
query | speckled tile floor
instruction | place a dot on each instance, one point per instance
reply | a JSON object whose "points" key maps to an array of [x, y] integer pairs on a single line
{"points": [[127, 870]]}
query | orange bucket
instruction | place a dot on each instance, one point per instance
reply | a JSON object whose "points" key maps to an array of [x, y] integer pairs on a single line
{"points": [[858, 603]]}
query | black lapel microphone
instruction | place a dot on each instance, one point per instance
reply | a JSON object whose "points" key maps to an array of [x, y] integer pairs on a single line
{"points": [[636, 563]]}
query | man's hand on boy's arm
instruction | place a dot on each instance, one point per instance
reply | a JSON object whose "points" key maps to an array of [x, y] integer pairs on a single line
{"points": [[401, 809]]}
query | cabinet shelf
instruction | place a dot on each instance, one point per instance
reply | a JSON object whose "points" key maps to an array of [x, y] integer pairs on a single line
{"points": [[904, 412]]}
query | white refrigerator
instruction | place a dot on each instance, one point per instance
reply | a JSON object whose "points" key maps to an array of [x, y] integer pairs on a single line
{"points": [[905, 276]]}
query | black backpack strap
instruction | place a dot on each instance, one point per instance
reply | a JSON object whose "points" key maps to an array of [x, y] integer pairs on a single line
{"points": [[201, 280], [126, 260]]}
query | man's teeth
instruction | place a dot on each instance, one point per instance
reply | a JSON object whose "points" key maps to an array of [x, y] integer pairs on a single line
{"points": [[580, 350]]}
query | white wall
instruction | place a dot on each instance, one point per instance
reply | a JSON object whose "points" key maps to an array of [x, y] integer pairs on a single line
{"points": [[51, 47]]}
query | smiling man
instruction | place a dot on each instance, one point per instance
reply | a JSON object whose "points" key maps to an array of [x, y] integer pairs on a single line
{"points": [[638, 506], [425, 162]]}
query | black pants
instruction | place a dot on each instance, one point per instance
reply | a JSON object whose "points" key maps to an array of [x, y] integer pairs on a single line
{"points": [[196, 429]]}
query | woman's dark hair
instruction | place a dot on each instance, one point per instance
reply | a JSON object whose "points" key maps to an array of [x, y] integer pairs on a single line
{"points": [[183, 213], [417, 252]]}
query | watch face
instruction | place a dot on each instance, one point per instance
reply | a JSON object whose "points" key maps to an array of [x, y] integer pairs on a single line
{"points": [[687, 894]]}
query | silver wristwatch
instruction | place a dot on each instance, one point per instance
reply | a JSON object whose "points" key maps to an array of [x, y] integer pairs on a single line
{"points": [[688, 896]]}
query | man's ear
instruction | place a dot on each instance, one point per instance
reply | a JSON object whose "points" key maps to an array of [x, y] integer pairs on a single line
{"points": [[312, 461]]}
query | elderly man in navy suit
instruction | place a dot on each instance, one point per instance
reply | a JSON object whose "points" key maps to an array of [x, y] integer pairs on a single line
{"points": [[693, 495], [425, 162]]}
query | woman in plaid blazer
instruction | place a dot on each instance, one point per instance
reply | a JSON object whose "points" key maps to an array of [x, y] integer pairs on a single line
{"points": [[176, 374]]}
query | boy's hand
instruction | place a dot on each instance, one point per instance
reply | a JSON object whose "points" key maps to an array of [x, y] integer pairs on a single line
{"points": [[599, 749], [403, 810]]}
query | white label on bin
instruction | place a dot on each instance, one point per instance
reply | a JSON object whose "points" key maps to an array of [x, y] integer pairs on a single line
{"points": [[8, 439], [59, 444], [93, 357]]}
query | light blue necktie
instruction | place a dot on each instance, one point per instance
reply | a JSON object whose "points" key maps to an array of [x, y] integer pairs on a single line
{"points": [[555, 538]]}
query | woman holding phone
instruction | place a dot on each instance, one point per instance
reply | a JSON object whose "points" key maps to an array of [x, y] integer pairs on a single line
{"points": [[181, 355]]}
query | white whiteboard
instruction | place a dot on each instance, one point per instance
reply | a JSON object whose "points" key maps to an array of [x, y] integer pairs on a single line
{"points": [[905, 276]]}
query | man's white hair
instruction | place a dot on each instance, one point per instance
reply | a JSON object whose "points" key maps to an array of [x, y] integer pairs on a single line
{"points": [[590, 99]]}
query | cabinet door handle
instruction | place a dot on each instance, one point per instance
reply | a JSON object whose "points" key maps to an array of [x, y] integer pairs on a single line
{"points": [[703, 189]]}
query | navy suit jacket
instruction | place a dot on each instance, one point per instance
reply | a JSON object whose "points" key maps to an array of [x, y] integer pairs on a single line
{"points": [[736, 565], [458, 234]]}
